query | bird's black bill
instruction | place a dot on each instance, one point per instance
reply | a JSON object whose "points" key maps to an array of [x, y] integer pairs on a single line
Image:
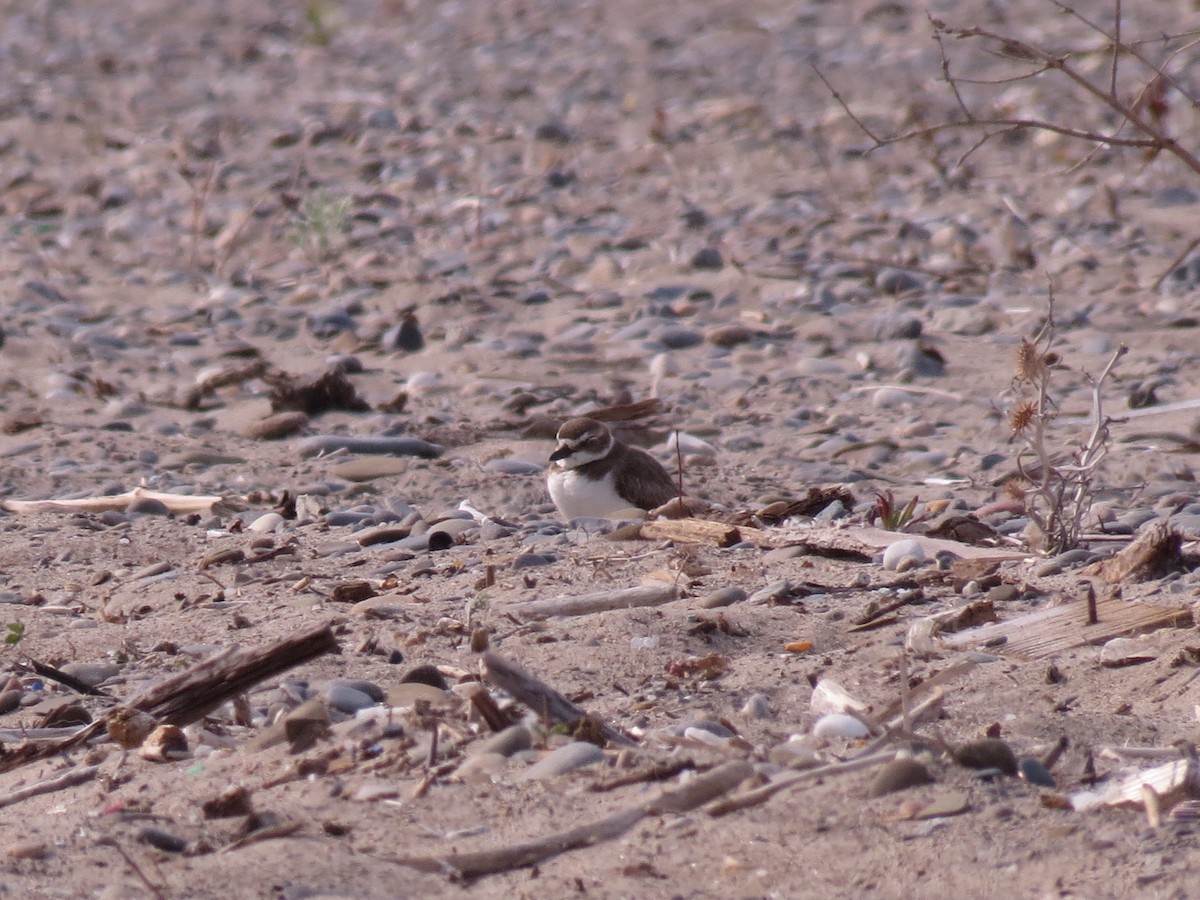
{"points": [[561, 453]]}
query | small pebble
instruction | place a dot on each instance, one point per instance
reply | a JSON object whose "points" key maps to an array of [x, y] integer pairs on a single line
{"points": [[898, 775], [757, 706], [1033, 772]]}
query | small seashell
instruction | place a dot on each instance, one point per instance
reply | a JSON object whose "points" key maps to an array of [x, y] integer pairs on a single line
{"points": [[835, 726], [166, 743], [900, 556]]}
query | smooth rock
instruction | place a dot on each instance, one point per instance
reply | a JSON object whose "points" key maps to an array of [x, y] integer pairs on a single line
{"points": [[91, 674], [757, 706], [511, 740], [266, 523], [567, 758], [725, 596], [898, 775], [1033, 772], [902, 555], [794, 754], [347, 699]]}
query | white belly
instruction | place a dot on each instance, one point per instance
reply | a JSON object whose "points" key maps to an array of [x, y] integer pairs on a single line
{"points": [[577, 496]]}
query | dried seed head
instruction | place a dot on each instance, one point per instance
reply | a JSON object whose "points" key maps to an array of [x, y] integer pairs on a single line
{"points": [[1030, 362], [1016, 488], [1022, 416]]}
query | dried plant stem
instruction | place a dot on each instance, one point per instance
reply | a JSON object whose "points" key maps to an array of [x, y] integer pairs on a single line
{"points": [[1143, 113]]}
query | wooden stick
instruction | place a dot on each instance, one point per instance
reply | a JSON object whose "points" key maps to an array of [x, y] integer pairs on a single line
{"points": [[67, 779], [602, 601], [540, 697], [680, 799]]}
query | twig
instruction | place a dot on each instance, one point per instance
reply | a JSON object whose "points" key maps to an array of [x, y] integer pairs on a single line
{"points": [[845, 107], [759, 795], [540, 697], [67, 779], [283, 829], [64, 679], [154, 889], [680, 799], [1175, 263]]}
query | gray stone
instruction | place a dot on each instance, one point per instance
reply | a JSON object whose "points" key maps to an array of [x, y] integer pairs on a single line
{"points": [[568, 758], [347, 699], [511, 740], [725, 596]]}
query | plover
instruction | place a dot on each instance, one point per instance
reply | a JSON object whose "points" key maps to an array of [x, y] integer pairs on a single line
{"points": [[593, 474]]}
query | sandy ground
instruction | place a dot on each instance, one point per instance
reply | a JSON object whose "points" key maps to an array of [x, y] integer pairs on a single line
{"points": [[492, 217]]}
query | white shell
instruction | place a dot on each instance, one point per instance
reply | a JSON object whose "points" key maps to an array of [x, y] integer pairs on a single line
{"points": [[839, 726], [900, 556]]}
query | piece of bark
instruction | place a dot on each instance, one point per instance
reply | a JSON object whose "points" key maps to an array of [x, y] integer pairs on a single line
{"points": [[601, 601], [695, 531], [684, 798], [1156, 552], [540, 697], [223, 378], [176, 503]]}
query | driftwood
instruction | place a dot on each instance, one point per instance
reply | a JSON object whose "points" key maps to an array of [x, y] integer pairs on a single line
{"points": [[1041, 634], [193, 693], [680, 799], [602, 601], [1155, 553], [699, 531], [540, 697], [176, 503]]}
